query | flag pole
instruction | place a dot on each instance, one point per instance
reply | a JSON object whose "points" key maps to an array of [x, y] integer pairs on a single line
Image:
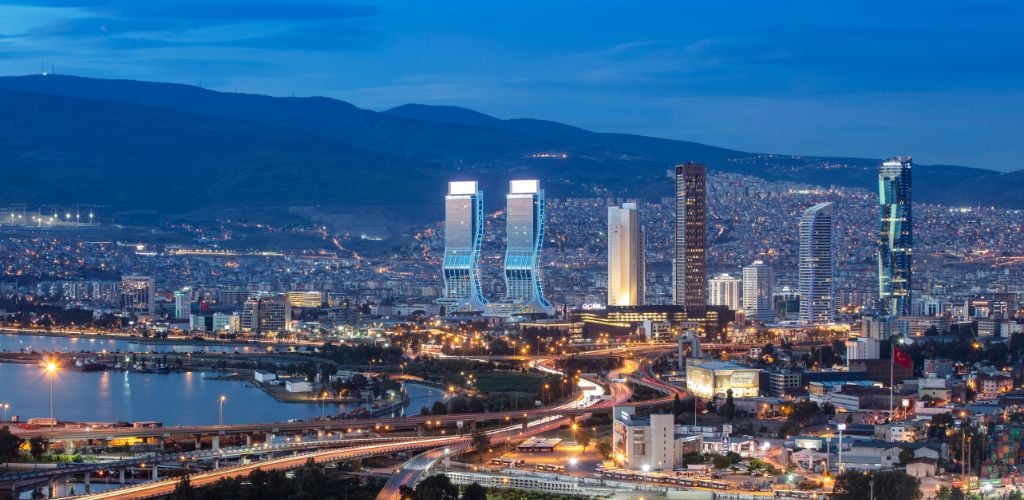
{"points": [[892, 363]]}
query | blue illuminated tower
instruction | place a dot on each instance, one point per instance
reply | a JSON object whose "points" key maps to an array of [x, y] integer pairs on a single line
{"points": [[525, 238], [463, 233], [895, 235]]}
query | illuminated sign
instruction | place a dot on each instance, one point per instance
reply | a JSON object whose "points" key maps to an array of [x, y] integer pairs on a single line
{"points": [[531, 186], [462, 187]]}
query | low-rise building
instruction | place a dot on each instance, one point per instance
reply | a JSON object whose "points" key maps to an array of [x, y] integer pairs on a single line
{"points": [[707, 379], [295, 385], [263, 377]]}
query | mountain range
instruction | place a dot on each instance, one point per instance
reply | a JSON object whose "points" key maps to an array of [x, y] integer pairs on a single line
{"points": [[180, 149]]}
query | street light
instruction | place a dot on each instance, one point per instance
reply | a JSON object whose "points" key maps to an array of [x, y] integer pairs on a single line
{"points": [[841, 427], [51, 371], [220, 409]]}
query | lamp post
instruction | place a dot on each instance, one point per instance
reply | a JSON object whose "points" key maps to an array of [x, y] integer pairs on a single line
{"points": [[841, 427], [51, 371], [220, 409]]}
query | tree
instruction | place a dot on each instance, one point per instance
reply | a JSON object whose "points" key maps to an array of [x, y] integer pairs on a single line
{"points": [[438, 408], [729, 408], [184, 490], [9, 444], [856, 485], [436, 487], [37, 447], [583, 437], [604, 448], [474, 492], [481, 442], [677, 406], [906, 455]]}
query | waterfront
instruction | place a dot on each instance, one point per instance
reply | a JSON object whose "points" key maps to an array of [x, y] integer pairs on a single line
{"points": [[27, 342], [179, 398]]}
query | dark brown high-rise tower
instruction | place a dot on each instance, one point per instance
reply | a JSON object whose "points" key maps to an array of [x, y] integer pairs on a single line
{"points": [[690, 277]]}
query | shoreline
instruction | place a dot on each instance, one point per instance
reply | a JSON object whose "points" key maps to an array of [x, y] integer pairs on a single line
{"points": [[138, 339]]}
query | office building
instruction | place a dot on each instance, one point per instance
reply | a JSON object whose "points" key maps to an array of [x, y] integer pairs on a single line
{"points": [[690, 287], [525, 239], [183, 303], [305, 298], [895, 236], [757, 292], [726, 291], [626, 262], [463, 235], [817, 265], [266, 313], [138, 295]]}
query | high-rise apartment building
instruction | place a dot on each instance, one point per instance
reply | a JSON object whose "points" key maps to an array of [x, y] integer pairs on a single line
{"points": [[525, 239], [266, 313], [626, 261], [463, 235], [895, 235], [726, 290], [817, 265], [183, 303], [138, 294], [690, 287], [758, 282]]}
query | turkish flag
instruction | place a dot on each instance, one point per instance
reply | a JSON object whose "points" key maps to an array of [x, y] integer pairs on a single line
{"points": [[901, 358]]}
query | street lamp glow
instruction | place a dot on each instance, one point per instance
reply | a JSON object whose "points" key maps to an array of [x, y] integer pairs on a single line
{"points": [[646, 468], [573, 461]]}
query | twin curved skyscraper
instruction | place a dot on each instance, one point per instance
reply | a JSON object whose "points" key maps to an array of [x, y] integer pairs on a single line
{"points": [[524, 295]]}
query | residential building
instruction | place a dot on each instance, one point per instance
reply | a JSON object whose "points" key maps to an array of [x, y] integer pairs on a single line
{"points": [[726, 291], [816, 265], [266, 313], [757, 291], [138, 295]]}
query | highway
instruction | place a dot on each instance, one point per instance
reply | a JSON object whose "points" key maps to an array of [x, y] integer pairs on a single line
{"points": [[223, 453], [166, 486]]}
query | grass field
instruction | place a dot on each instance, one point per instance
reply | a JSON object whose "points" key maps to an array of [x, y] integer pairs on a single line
{"points": [[508, 381]]}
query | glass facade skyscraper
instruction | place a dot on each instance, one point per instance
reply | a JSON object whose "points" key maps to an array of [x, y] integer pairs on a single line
{"points": [[689, 267], [895, 235], [525, 239], [463, 234], [817, 265]]}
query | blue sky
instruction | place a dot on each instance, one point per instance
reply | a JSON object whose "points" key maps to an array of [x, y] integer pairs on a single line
{"points": [[941, 80]]}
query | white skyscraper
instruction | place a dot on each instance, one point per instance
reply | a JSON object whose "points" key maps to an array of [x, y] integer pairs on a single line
{"points": [[626, 261], [463, 234], [817, 265], [726, 291], [757, 291]]}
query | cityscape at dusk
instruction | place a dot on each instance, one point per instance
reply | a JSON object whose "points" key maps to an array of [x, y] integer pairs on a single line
{"points": [[319, 250]]}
